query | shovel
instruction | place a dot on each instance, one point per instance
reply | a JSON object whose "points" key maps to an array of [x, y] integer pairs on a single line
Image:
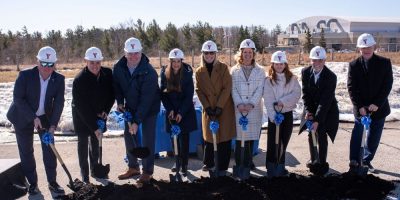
{"points": [[241, 171], [214, 125], [175, 129], [139, 152], [362, 170], [316, 166], [100, 170], [48, 139], [276, 169]]}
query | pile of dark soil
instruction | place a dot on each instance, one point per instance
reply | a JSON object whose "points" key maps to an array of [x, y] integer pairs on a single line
{"points": [[295, 186]]}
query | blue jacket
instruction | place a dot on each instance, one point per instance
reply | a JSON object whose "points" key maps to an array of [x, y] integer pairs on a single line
{"points": [[139, 92], [180, 102], [23, 109]]}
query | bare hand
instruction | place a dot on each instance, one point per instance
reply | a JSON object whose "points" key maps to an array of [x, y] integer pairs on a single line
{"points": [[315, 126], [52, 129], [37, 123], [309, 116], [362, 111], [98, 133], [171, 115], [241, 108], [133, 129], [102, 115], [249, 107], [372, 108], [178, 118]]}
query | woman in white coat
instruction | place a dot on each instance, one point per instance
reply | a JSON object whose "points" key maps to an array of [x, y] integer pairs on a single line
{"points": [[248, 81], [281, 93]]}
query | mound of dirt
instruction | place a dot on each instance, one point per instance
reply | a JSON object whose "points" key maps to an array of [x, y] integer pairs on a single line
{"points": [[294, 186]]}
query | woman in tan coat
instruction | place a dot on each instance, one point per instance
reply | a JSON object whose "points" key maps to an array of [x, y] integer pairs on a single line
{"points": [[213, 87]]}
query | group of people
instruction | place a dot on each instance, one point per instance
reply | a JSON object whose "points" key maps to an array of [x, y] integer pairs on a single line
{"points": [[233, 97]]}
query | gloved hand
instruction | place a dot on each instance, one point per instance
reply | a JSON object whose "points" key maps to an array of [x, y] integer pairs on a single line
{"points": [[218, 111], [210, 112]]}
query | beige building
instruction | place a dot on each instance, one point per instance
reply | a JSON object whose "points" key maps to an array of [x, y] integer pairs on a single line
{"points": [[342, 32]]}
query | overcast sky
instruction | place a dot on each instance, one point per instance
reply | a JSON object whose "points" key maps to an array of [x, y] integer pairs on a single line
{"points": [[46, 15]]}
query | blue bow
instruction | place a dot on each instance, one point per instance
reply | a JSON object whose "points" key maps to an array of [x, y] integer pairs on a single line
{"points": [[175, 130], [47, 138], [214, 126], [309, 125], [279, 118], [101, 124], [243, 121], [128, 116], [366, 121]]}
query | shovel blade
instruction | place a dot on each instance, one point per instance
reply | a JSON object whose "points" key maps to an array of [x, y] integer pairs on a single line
{"points": [[175, 178], [275, 170], [240, 172], [101, 171], [140, 152], [213, 173]]}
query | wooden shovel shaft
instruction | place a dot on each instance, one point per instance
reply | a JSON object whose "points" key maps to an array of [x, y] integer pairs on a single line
{"points": [[176, 145], [62, 164], [314, 141], [101, 149], [277, 143]]}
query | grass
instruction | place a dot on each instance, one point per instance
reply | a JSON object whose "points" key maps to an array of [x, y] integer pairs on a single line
{"points": [[69, 70]]}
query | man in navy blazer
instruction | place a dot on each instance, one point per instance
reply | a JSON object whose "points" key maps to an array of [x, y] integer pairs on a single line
{"points": [[38, 103], [370, 80]]}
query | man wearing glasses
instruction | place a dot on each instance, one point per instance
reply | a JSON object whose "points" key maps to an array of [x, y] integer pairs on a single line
{"points": [[38, 103]]}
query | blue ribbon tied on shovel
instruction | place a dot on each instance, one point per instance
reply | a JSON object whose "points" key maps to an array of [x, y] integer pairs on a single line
{"points": [[366, 120], [279, 118], [128, 116], [214, 126], [101, 124], [309, 125], [47, 138], [175, 130], [243, 121]]}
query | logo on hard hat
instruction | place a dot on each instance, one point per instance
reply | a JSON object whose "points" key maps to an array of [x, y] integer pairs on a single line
{"points": [[48, 55], [176, 53], [95, 54], [209, 46], [279, 57], [365, 41], [317, 52], [248, 43], [133, 46]]}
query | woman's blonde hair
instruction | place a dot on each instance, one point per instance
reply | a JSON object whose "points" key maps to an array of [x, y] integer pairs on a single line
{"points": [[239, 57]]}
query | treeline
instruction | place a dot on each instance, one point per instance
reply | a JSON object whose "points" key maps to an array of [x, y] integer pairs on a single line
{"points": [[22, 46]]}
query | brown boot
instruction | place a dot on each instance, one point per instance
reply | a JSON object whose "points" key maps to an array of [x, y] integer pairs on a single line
{"points": [[144, 178], [129, 173]]}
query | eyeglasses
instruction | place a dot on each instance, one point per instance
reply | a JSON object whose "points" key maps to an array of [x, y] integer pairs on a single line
{"points": [[209, 53], [47, 64]]}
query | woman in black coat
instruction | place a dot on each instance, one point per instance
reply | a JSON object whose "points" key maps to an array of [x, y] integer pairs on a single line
{"points": [[177, 91], [92, 99]]}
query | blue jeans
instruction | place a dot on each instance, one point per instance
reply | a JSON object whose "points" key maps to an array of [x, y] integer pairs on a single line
{"points": [[373, 139], [148, 138]]}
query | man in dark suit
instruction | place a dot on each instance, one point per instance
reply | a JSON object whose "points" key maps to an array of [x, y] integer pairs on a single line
{"points": [[320, 105], [38, 103], [370, 79]]}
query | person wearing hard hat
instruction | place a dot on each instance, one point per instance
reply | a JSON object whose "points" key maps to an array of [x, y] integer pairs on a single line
{"points": [[137, 92], [320, 107], [37, 105], [247, 90], [369, 82], [213, 87], [281, 93], [177, 91], [92, 99]]}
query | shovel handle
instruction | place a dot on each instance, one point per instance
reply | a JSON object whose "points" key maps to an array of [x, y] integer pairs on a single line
{"points": [[176, 145], [314, 138], [277, 135], [215, 142], [53, 148]]}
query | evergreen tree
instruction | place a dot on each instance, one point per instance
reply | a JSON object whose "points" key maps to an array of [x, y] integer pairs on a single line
{"points": [[322, 40], [169, 40], [308, 45]]}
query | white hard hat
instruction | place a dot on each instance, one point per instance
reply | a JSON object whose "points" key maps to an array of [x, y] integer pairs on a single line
{"points": [[247, 43], [278, 57], [365, 40], [93, 54], [318, 53], [132, 45], [47, 54], [209, 46], [176, 53]]}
